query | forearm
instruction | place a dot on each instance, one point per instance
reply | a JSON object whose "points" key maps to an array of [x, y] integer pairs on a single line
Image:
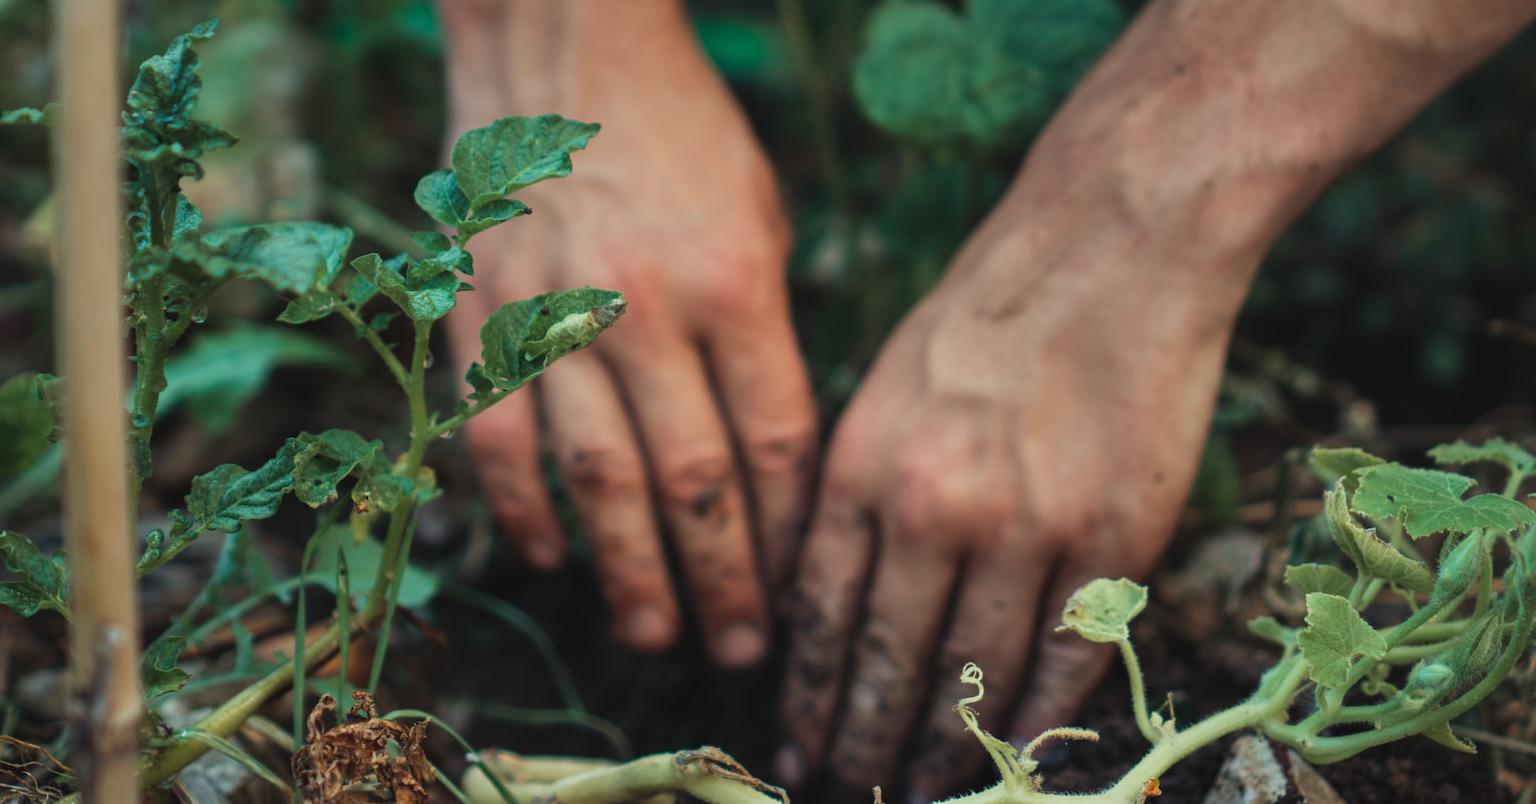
{"points": [[1212, 123]]}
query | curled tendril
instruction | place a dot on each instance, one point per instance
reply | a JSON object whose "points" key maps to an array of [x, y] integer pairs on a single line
{"points": [[1016, 767]]}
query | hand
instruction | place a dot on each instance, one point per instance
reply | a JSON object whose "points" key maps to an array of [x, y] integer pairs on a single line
{"points": [[694, 411]]}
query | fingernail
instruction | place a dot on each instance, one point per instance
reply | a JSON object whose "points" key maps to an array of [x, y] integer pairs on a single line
{"points": [[542, 555], [789, 764], [648, 629], [741, 644]]}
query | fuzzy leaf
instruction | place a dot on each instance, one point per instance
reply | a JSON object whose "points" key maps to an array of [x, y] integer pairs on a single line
{"points": [[1430, 501], [434, 242], [158, 134], [1371, 555], [421, 300], [157, 668], [1335, 637], [1340, 465], [26, 116], [293, 257], [522, 338], [42, 581], [26, 421], [1495, 450], [1102, 609], [497, 160], [1309, 578]]}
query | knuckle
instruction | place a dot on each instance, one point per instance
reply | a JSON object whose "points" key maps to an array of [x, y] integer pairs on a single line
{"points": [[777, 454], [697, 483], [599, 471]]}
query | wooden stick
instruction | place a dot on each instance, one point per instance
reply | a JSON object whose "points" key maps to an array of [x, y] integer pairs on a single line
{"points": [[104, 641]]}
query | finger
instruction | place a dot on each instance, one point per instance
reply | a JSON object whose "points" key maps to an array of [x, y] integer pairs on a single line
{"points": [[762, 382], [829, 585], [604, 472], [504, 442], [1066, 667], [694, 470], [891, 661], [994, 617]]}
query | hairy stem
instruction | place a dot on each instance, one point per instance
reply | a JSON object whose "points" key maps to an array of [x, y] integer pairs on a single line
{"points": [[1138, 692]]}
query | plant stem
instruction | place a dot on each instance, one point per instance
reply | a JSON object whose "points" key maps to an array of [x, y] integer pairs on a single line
{"points": [[707, 774], [457, 420], [371, 335], [1138, 692]]}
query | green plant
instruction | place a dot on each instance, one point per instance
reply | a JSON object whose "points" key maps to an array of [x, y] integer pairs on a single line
{"points": [[1343, 683], [173, 267]]}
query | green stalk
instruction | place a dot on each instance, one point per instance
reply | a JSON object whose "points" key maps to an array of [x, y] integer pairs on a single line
{"points": [[1138, 692], [371, 335]]}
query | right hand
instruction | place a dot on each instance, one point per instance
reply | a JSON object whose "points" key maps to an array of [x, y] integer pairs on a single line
{"points": [[694, 414]]}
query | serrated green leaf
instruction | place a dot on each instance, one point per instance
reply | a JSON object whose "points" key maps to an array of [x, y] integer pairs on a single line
{"points": [[293, 257], [42, 581], [1309, 578], [1495, 450], [157, 668], [497, 160], [1335, 638], [522, 338], [417, 587], [26, 116], [426, 300], [1430, 501], [934, 78], [1102, 609], [27, 421], [1340, 465], [222, 371], [1371, 555]]}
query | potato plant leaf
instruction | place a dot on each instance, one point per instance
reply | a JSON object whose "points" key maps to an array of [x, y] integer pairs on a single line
{"points": [[322, 461], [497, 160], [1507, 454], [931, 77], [1430, 501], [1339, 465], [158, 135], [522, 338], [439, 195], [27, 424], [41, 581], [157, 668], [1309, 578], [1335, 637], [420, 299], [294, 257], [1102, 609], [1371, 555]]}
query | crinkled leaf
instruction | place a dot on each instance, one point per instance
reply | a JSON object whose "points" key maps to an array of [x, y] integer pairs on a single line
{"points": [[158, 134], [222, 371], [292, 257], [1371, 555], [1336, 637], [1507, 454], [439, 195], [27, 116], [522, 338], [321, 462], [935, 78], [417, 587], [26, 421], [426, 300], [448, 261], [157, 668], [1430, 501], [222, 499], [1340, 465], [1102, 609], [1309, 578], [490, 214], [41, 581], [515, 152]]}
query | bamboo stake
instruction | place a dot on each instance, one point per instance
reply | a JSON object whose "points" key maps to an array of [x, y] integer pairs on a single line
{"points": [[104, 640]]}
